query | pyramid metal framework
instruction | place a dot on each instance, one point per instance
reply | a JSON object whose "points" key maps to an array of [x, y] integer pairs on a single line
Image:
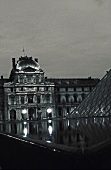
{"points": [[98, 102], [91, 130]]}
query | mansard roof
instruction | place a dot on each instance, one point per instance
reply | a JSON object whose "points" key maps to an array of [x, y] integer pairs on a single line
{"points": [[75, 81], [27, 62]]}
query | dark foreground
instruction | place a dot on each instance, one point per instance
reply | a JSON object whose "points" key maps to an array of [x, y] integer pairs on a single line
{"points": [[15, 154]]}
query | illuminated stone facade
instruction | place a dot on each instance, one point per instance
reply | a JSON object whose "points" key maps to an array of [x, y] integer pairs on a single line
{"points": [[28, 95], [70, 92]]}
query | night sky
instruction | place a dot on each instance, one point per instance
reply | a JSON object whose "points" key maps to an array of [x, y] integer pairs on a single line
{"points": [[71, 38]]}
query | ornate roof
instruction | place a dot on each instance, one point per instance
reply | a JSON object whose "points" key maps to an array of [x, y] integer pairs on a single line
{"points": [[27, 62]]}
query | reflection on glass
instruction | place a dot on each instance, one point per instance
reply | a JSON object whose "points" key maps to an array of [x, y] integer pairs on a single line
{"points": [[13, 128], [49, 121], [94, 120], [68, 123], [50, 129], [25, 123], [79, 133], [24, 127], [25, 132], [48, 141], [77, 122]]}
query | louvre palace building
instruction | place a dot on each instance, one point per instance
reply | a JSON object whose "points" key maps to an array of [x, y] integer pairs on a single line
{"points": [[28, 94]]}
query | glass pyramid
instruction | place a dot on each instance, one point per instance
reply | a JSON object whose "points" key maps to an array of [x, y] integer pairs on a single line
{"points": [[98, 102]]}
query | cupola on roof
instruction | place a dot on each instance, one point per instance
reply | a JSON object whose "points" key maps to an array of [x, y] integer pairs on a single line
{"points": [[26, 62]]}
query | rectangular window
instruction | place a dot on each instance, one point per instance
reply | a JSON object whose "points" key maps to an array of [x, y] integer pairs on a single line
{"points": [[46, 88], [17, 99], [58, 89], [12, 98], [25, 80], [21, 79], [86, 89], [34, 80], [21, 88], [62, 89], [38, 99], [11, 89], [22, 99], [78, 88], [41, 88], [71, 89], [47, 97], [58, 99], [30, 98]]}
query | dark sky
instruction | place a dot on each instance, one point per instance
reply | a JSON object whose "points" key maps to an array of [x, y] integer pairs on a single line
{"points": [[71, 38]]}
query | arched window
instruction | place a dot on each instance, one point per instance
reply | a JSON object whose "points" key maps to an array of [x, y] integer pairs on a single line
{"points": [[63, 99], [71, 99]]}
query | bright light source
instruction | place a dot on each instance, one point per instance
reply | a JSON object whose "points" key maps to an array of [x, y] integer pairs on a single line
{"points": [[24, 111], [25, 123], [68, 122], [49, 121], [94, 120], [48, 141], [77, 122], [19, 68], [49, 110], [50, 130], [25, 132]]}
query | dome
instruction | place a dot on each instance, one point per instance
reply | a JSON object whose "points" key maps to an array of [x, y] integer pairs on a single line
{"points": [[26, 62]]}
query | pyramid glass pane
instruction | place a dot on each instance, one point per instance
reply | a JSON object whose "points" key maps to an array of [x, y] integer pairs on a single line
{"points": [[98, 102]]}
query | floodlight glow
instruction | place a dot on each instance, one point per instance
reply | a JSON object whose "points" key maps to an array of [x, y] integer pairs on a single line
{"points": [[50, 130], [77, 122], [25, 123], [49, 121], [25, 132], [24, 111], [48, 141], [49, 110], [68, 122]]}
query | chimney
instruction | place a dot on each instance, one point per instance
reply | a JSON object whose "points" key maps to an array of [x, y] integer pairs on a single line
{"points": [[2, 77], [36, 59], [13, 62]]}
